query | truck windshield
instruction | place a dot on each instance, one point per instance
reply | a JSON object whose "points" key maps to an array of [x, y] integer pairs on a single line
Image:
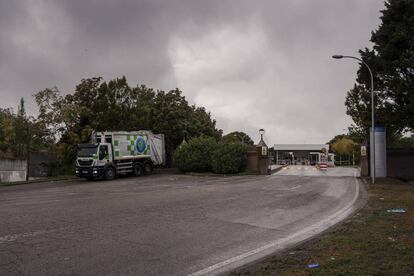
{"points": [[87, 151]]}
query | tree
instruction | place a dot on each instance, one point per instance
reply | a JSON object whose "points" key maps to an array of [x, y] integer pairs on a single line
{"points": [[347, 144], [392, 62], [402, 143], [21, 110], [238, 137], [20, 133], [114, 105], [172, 116], [344, 146], [201, 123], [7, 133]]}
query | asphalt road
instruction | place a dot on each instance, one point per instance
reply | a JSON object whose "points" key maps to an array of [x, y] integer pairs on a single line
{"points": [[164, 224], [313, 171]]}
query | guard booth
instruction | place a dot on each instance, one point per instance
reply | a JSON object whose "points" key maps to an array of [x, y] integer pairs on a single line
{"points": [[303, 154]]}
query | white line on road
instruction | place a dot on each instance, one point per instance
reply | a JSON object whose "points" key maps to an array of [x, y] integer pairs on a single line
{"points": [[13, 237], [284, 242]]}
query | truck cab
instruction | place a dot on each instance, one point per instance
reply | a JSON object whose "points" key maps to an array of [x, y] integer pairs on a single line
{"points": [[93, 159]]}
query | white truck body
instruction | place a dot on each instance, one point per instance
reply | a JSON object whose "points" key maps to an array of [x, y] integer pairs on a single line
{"points": [[134, 144]]}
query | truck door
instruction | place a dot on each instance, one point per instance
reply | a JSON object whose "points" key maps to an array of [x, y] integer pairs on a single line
{"points": [[105, 155]]}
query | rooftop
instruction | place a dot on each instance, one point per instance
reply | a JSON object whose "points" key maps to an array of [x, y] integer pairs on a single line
{"points": [[315, 147]]}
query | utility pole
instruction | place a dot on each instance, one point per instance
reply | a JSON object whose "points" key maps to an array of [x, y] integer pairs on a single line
{"points": [[28, 146]]}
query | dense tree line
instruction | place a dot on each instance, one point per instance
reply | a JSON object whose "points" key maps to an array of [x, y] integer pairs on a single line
{"points": [[19, 133], [115, 105], [64, 121], [392, 62]]}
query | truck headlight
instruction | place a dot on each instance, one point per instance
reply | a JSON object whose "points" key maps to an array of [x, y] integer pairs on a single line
{"points": [[95, 171], [76, 171]]}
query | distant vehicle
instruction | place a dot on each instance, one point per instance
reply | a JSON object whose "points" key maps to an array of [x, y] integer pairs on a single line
{"points": [[113, 153]]}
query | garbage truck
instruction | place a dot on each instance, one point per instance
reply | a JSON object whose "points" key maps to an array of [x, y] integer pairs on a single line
{"points": [[113, 153]]}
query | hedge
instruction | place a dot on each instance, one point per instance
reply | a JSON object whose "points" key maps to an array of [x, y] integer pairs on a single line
{"points": [[204, 154], [195, 156], [229, 158]]}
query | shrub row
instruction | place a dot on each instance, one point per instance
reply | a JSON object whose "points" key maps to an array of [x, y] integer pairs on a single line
{"points": [[204, 154]]}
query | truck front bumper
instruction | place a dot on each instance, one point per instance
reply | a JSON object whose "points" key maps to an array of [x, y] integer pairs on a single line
{"points": [[89, 172]]}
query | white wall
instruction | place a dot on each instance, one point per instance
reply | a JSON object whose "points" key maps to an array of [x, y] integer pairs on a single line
{"points": [[12, 170]]}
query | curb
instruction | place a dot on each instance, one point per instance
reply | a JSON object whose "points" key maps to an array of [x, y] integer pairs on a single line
{"points": [[217, 174], [6, 184], [277, 169]]}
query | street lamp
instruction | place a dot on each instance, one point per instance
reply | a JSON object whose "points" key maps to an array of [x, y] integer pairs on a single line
{"points": [[244, 136], [261, 131], [372, 113]]}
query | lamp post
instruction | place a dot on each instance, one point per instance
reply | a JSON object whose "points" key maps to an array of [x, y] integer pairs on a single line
{"points": [[244, 136], [372, 113], [261, 131], [263, 155]]}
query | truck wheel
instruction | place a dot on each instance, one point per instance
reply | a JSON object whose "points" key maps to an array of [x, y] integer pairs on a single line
{"points": [[137, 170], [148, 168], [109, 173]]}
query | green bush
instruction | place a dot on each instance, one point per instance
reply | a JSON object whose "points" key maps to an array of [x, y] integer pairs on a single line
{"points": [[195, 156], [229, 158]]}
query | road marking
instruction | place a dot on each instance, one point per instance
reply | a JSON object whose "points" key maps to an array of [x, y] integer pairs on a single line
{"points": [[281, 243], [293, 188], [290, 189], [13, 237]]}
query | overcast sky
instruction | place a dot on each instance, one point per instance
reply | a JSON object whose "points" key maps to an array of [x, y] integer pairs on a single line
{"points": [[252, 64]]}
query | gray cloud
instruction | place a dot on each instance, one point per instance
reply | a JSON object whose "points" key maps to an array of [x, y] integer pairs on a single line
{"points": [[252, 64]]}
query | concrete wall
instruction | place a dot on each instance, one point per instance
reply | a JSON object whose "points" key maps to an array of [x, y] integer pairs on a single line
{"points": [[39, 162], [400, 163], [364, 163], [252, 160], [12, 170], [256, 162]]}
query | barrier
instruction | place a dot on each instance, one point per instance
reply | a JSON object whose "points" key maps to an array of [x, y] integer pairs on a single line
{"points": [[323, 166], [12, 170]]}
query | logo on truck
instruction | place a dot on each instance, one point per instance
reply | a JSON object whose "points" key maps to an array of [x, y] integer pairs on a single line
{"points": [[141, 144]]}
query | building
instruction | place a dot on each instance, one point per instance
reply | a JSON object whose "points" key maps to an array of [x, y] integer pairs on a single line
{"points": [[303, 154]]}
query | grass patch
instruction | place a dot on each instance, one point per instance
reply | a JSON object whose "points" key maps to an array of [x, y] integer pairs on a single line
{"points": [[372, 242]]}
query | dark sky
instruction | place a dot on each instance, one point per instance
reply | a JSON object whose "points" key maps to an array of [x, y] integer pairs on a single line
{"points": [[253, 64]]}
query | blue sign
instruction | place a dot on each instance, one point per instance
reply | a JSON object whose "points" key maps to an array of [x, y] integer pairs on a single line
{"points": [[140, 145]]}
